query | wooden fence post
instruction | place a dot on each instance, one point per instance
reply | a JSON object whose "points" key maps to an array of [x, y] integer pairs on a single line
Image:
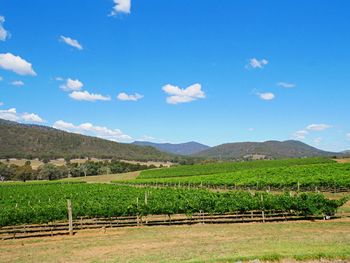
{"points": [[263, 216], [70, 217]]}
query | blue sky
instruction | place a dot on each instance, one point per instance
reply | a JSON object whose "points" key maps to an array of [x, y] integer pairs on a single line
{"points": [[175, 71]]}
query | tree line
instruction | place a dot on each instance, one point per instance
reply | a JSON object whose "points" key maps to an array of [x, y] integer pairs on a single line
{"points": [[49, 171]]}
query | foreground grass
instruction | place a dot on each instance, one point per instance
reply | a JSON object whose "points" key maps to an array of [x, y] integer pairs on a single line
{"points": [[199, 243]]}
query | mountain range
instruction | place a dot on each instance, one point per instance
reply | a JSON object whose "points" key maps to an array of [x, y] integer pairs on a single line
{"points": [[34, 141], [188, 148]]}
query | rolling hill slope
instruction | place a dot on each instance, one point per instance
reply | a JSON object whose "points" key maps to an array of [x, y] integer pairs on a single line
{"points": [[268, 149], [187, 148], [24, 141]]}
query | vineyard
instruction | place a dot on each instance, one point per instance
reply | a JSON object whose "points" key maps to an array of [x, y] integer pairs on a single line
{"points": [[22, 204], [215, 168], [297, 177]]}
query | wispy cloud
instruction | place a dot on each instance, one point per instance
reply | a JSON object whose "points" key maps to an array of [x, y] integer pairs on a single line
{"points": [[1, 103], [86, 96], [146, 138], [71, 42], [93, 130], [121, 6], [318, 140], [4, 34], [16, 64], [256, 63], [301, 135], [12, 115], [178, 95], [266, 95], [348, 136], [71, 84], [311, 128], [318, 127], [17, 83], [286, 85], [132, 97]]}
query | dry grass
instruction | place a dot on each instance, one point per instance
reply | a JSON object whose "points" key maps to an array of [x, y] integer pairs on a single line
{"points": [[157, 164], [106, 178], [343, 160], [198, 243]]}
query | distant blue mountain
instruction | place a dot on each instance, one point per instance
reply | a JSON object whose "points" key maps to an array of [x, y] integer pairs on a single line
{"points": [[187, 148]]}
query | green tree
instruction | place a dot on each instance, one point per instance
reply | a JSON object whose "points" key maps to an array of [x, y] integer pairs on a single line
{"points": [[24, 172], [6, 172], [49, 171]]}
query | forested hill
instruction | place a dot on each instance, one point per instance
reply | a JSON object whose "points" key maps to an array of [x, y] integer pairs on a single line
{"points": [[32, 141], [263, 150]]}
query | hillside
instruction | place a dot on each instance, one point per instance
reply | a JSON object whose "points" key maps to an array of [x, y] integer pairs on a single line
{"points": [[29, 141], [262, 150], [187, 148]]}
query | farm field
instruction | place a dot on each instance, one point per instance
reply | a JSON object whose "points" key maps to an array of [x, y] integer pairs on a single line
{"points": [[291, 177], [225, 167], [288, 242], [31, 203]]}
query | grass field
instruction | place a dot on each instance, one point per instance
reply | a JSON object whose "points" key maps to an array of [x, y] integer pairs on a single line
{"points": [[106, 178], [198, 243]]}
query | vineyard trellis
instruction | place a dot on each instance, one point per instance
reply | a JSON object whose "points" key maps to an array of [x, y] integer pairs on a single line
{"points": [[47, 203], [84, 223]]}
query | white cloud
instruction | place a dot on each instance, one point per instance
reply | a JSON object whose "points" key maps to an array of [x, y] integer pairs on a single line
{"points": [[1, 103], [16, 64], [71, 42], [85, 95], [266, 95], [12, 115], [311, 128], [1, 78], [286, 85], [300, 135], [92, 130], [4, 34], [255, 63], [135, 97], [121, 6], [251, 129], [32, 117], [348, 136], [59, 78], [178, 95], [318, 127], [9, 114], [71, 84], [17, 83]]}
